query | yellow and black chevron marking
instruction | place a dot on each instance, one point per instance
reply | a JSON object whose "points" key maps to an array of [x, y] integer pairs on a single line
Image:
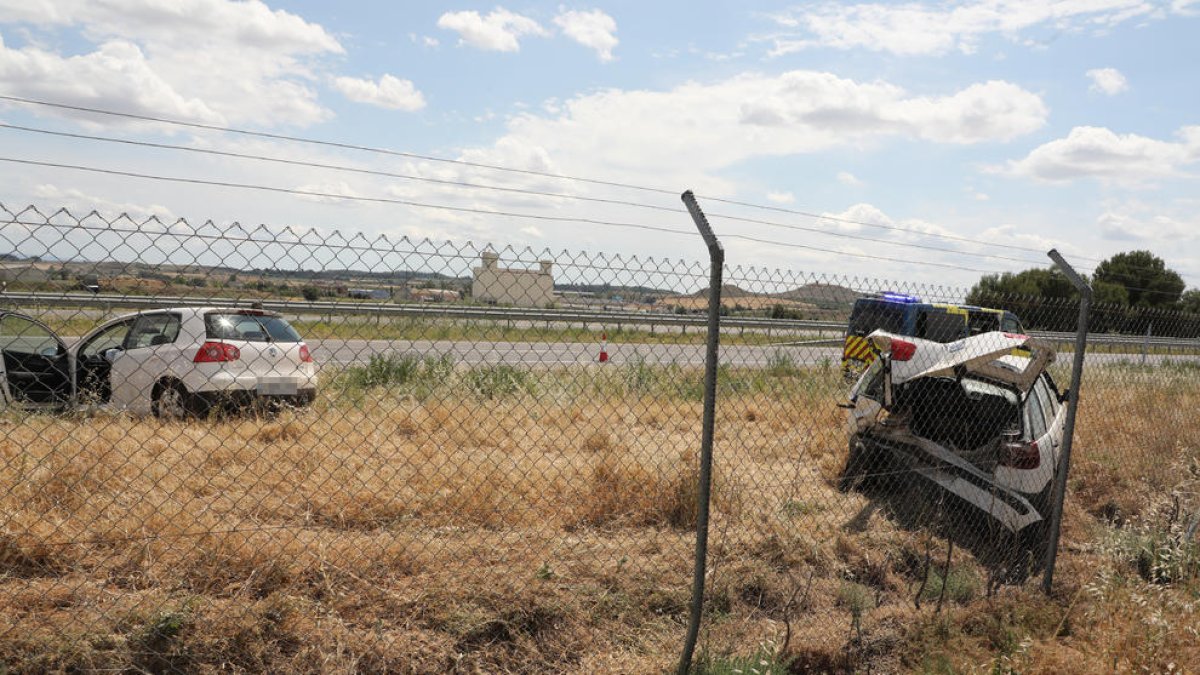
{"points": [[857, 349]]}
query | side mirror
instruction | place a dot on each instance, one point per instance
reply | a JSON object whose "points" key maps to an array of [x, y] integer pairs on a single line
{"points": [[111, 355]]}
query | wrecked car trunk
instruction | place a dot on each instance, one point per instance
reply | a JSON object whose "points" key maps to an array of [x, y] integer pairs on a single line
{"points": [[978, 417]]}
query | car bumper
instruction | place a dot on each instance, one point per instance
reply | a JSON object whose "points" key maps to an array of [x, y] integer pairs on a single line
{"points": [[204, 401], [1010, 508]]}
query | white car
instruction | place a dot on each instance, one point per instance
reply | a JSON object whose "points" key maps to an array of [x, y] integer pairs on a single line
{"points": [[979, 417], [169, 362]]}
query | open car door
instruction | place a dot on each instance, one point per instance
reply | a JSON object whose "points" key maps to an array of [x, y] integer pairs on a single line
{"points": [[36, 368]]}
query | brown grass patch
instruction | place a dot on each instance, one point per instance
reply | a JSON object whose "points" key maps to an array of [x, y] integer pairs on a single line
{"points": [[549, 536]]}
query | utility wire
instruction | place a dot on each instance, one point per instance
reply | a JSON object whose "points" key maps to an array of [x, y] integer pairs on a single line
{"points": [[538, 193], [330, 144], [493, 167], [335, 167], [465, 209], [894, 228]]}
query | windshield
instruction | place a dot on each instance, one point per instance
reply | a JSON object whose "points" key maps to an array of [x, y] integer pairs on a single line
{"points": [[249, 327], [871, 315]]}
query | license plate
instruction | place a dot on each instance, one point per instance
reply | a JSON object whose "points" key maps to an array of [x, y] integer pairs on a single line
{"points": [[278, 388]]}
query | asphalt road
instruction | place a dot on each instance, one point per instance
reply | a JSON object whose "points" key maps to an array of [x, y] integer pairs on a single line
{"points": [[557, 354]]}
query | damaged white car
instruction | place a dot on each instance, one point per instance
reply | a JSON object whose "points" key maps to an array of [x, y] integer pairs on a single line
{"points": [[979, 417]]}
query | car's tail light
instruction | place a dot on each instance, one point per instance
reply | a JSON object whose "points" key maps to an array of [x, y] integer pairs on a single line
{"points": [[902, 350], [216, 352], [305, 355], [1020, 455]]}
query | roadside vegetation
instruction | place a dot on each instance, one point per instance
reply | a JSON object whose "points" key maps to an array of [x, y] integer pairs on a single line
{"points": [[428, 516]]}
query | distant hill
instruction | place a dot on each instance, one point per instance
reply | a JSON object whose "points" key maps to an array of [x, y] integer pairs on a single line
{"points": [[728, 292], [608, 290], [825, 296]]}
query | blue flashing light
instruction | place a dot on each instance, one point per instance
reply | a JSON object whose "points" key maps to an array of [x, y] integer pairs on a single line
{"points": [[902, 298]]}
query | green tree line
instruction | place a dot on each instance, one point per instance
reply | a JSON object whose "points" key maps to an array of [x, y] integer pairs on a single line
{"points": [[1133, 292]]}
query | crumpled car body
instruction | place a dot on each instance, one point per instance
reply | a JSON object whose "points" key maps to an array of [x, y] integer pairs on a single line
{"points": [[980, 417]]}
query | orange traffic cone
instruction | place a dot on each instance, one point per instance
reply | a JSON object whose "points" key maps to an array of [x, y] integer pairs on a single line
{"points": [[604, 347]]}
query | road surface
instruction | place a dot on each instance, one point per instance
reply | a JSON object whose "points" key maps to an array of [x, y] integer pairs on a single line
{"points": [[556, 354]]}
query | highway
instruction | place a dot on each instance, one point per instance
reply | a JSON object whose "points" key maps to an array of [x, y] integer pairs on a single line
{"points": [[331, 352], [594, 318]]}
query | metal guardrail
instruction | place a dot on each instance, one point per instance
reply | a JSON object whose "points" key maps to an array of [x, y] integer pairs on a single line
{"points": [[497, 313], [426, 310]]}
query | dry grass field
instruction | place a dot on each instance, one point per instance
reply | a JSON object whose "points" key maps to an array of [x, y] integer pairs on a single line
{"points": [[425, 518]]}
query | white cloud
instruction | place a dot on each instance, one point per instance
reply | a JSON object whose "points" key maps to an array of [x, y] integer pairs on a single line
{"points": [[1156, 225], [499, 31], [694, 130], [1098, 152], [993, 110], [389, 92], [244, 62], [781, 197], [82, 202], [1184, 7], [117, 75], [847, 178], [593, 29], [1107, 81], [912, 28]]}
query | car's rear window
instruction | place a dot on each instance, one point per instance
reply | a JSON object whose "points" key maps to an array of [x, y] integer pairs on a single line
{"points": [[249, 327], [870, 315], [938, 325]]}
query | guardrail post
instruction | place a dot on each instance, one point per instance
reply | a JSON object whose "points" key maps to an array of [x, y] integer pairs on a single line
{"points": [[1064, 460], [716, 256]]}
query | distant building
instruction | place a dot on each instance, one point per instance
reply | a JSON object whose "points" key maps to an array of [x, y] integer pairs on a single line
{"points": [[516, 287]]}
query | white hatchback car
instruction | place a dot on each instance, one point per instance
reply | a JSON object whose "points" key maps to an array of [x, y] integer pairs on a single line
{"points": [[979, 417], [189, 360]]}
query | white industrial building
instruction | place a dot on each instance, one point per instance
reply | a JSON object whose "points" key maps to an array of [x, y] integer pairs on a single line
{"points": [[516, 287]]}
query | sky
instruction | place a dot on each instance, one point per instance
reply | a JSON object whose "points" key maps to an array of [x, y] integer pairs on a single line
{"points": [[920, 141]]}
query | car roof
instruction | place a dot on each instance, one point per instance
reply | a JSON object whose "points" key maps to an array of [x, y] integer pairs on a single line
{"points": [[194, 311]]}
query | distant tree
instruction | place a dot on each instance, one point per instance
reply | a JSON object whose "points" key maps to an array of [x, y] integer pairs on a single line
{"points": [[1145, 278], [1190, 301], [311, 293], [993, 290]]}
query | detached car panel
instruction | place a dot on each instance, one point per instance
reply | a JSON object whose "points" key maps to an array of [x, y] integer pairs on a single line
{"points": [[979, 417]]}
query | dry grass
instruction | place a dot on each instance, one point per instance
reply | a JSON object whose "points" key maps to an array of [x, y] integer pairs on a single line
{"points": [[540, 531]]}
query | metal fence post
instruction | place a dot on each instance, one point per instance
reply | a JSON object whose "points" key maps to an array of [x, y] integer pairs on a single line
{"points": [[716, 255], [1064, 460], [1146, 342]]}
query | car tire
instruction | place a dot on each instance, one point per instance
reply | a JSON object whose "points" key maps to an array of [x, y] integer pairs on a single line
{"points": [[864, 467], [170, 401]]}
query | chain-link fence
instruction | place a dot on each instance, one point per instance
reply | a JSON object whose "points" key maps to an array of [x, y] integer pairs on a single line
{"points": [[257, 449]]}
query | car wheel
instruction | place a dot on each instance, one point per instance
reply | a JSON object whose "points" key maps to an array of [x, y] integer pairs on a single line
{"points": [[170, 401], [864, 467]]}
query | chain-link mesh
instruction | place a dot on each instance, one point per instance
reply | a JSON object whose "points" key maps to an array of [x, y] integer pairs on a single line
{"points": [[230, 448]]}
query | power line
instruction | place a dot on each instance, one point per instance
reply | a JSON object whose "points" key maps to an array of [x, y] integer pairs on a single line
{"points": [[330, 144], [335, 167], [894, 228], [493, 167], [464, 209], [539, 193]]}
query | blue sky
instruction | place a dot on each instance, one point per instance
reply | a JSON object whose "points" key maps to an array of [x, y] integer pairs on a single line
{"points": [[1020, 123]]}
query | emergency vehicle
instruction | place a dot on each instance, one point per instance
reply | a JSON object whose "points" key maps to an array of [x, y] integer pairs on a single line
{"points": [[903, 314]]}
